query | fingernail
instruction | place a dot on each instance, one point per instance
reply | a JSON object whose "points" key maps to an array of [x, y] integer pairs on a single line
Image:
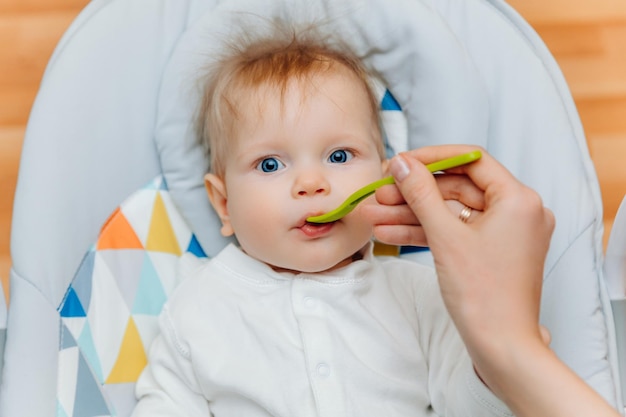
{"points": [[399, 168]]}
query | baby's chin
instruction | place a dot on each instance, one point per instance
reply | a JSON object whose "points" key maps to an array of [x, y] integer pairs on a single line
{"points": [[318, 267]]}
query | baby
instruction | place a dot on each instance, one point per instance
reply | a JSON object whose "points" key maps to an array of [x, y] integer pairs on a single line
{"points": [[300, 319]]}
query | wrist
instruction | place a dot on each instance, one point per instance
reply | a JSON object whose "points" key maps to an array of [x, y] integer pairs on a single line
{"points": [[528, 376], [501, 364]]}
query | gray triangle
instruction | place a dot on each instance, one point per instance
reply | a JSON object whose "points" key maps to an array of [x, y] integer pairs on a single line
{"points": [[89, 401], [67, 340], [125, 265], [82, 280]]}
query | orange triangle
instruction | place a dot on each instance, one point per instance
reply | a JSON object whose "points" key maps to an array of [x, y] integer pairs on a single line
{"points": [[131, 359], [161, 237], [117, 233]]}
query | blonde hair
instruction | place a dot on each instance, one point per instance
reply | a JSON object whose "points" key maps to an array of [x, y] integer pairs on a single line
{"points": [[273, 61]]}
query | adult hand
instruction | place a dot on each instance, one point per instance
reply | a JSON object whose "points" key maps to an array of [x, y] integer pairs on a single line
{"points": [[397, 224], [490, 270], [493, 260]]}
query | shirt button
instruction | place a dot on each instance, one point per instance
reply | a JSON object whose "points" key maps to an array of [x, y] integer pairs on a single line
{"points": [[310, 302], [323, 370]]}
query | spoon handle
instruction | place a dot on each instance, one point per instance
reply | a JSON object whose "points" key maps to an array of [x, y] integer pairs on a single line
{"points": [[361, 194]]}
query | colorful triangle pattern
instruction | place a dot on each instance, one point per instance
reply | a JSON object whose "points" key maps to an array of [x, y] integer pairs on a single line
{"points": [[136, 288]]}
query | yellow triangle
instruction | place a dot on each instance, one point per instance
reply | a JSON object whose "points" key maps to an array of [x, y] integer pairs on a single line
{"points": [[131, 359], [382, 249], [161, 237]]}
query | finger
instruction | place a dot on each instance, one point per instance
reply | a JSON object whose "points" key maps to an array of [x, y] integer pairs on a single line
{"points": [[400, 235], [461, 189], [403, 215], [451, 186], [389, 195], [422, 195], [485, 172], [456, 208], [383, 214]]}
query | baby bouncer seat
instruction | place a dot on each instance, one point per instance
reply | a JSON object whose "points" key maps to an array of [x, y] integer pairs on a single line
{"points": [[110, 190]]}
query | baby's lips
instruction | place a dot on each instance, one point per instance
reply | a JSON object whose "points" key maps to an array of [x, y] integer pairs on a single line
{"points": [[315, 230], [304, 221]]}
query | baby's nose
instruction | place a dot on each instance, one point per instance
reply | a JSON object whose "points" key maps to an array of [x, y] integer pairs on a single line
{"points": [[311, 191], [310, 184]]}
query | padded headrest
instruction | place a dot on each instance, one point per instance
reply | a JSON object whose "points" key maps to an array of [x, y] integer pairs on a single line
{"points": [[438, 88]]}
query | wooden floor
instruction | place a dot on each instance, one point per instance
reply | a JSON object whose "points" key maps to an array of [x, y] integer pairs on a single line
{"points": [[588, 39]]}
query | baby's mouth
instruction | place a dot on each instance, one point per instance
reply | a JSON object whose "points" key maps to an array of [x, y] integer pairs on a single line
{"points": [[304, 220], [311, 224], [316, 229]]}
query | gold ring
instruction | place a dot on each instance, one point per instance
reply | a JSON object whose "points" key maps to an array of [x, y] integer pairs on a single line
{"points": [[465, 214]]}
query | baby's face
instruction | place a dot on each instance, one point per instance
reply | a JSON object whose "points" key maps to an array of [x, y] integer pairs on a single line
{"points": [[300, 160]]}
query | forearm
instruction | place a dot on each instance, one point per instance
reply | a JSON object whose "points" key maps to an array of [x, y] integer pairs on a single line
{"points": [[490, 271], [534, 382]]}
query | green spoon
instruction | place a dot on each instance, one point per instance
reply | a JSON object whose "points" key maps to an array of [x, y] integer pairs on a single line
{"points": [[361, 194]]}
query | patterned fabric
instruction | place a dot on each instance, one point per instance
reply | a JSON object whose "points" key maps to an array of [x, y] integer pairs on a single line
{"points": [[393, 120], [109, 313]]}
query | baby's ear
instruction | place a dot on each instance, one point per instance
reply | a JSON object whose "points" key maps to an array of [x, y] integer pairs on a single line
{"points": [[216, 189]]}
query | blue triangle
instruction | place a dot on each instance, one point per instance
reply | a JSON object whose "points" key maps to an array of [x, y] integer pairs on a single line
{"points": [[195, 248], [87, 347], [60, 410], [150, 296], [389, 103], [71, 305], [157, 183]]}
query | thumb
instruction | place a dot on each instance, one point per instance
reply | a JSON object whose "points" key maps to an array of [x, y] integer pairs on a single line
{"points": [[421, 193]]}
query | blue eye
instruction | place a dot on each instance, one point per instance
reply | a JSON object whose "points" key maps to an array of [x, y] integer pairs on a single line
{"points": [[270, 165], [340, 156]]}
